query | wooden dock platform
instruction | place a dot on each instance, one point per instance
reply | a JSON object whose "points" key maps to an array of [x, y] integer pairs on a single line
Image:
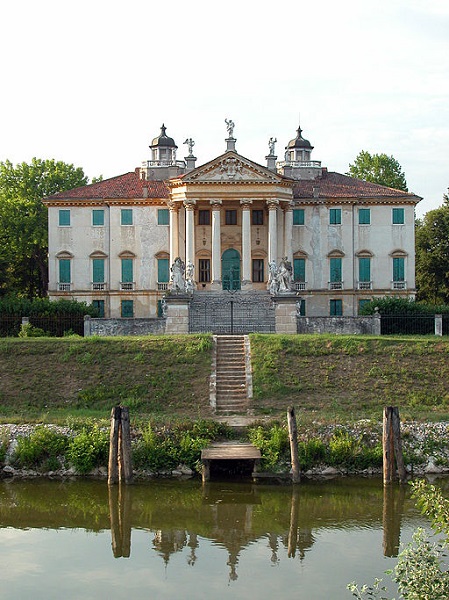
{"points": [[229, 451]]}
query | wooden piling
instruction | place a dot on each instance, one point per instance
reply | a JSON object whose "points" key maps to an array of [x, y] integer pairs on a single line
{"points": [[392, 446], [120, 460], [293, 437]]}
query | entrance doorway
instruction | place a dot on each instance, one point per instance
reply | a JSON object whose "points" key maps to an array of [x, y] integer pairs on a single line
{"points": [[230, 269]]}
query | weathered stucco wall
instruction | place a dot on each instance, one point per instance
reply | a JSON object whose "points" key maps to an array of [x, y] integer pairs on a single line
{"points": [[345, 325], [111, 327]]}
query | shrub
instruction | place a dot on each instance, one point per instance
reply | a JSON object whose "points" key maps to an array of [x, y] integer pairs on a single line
{"points": [[311, 453], [89, 449], [273, 444], [40, 449]]}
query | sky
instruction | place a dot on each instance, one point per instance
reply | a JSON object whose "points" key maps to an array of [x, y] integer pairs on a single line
{"points": [[91, 82]]}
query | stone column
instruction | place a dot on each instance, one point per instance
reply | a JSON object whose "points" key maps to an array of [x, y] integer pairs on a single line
{"points": [[216, 242], [190, 230], [272, 230], [288, 232], [174, 231], [246, 241]]}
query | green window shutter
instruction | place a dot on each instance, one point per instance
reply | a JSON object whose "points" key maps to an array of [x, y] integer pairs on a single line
{"points": [[336, 308], [398, 269], [127, 308], [64, 270], [398, 216], [99, 305], [335, 270], [97, 217], [364, 216], [64, 217], [302, 308], [163, 217], [364, 269], [127, 270], [335, 216], [363, 303], [298, 216], [163, 271], [126, 216], [299, 269], [98, 270]]}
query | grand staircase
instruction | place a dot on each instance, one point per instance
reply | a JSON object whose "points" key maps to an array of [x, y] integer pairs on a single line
{"points": [[233, 387]]}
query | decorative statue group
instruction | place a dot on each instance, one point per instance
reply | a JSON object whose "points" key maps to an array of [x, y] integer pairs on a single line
{"points": [[281, 277], [182, 276]]}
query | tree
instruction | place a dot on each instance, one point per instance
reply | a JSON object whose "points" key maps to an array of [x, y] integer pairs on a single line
{"points": [[432, 255], [23, 221], [378, 168]]}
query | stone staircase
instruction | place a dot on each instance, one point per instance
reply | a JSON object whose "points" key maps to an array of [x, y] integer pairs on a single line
{"points": [[233, 387]]}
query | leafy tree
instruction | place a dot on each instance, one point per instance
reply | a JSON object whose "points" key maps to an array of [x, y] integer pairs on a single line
{"points": [[378, 168], [432, 255], [23, 221]]}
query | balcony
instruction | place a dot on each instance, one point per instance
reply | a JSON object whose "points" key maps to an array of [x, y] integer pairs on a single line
{"points": [[99, 287], [335, 285], [126, 286], [162, 286], [162, 163], [365, 285], [64, 287], [398, 285], [314, 164], [299, 286]]}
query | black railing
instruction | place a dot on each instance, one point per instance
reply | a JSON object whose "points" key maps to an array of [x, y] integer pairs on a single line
{"points": [[53, 325], [416, 324]]}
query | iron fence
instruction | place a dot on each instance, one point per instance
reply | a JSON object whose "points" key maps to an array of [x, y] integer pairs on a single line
{"points": [[53, 325], [416, 324]]}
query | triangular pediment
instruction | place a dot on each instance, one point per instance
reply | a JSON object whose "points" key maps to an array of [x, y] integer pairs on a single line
{"points": [[232, 168]]}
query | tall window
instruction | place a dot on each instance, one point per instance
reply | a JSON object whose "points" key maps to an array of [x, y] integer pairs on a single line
{"points": [[298, 216], [257, 217], [336, 308], [204, 270], [64, 270], [163, 217], [364, 216], [97, 217], [64, 217], [335, 270], [399, 268], [126, 216], [398, 216], [204, 217], [363, 302], [127, 308], [299, 269], [98, 270], [364, 269], [163, 270], [231, 217], [127, 270], [302, 308], [335, 216], [258, 275], [99, 305]]}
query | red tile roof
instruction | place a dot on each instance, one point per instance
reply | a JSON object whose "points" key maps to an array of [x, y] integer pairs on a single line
{"points": [[128, 185]]}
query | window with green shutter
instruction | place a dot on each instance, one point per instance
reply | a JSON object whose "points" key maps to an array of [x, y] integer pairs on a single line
{"points": [[335, 216], [336, 308], [64, 270], [126, 216], [99, 305], [127, 308], [398, 269], [163, 217], [364, 269], [335, 269], [299, 269], [364, 216], [302, 308], [398, 216], [64, 217], [163, 270], [363, 303], [97, 217], [98, 270], [298, 216], [127, 270]]}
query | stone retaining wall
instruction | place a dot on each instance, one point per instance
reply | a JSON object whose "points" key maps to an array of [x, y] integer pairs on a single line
{"points": [[369, 325], [112, 327]]}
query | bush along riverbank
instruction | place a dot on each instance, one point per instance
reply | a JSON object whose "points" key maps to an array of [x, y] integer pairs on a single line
{"points": [[174, 449]]}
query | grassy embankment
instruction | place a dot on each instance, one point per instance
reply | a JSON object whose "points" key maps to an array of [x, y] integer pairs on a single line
{"points": [[327, 378]]}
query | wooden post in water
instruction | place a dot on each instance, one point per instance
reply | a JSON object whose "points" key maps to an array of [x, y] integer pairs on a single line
{"points": [[120, 462], [293, 437], [392, 446]]}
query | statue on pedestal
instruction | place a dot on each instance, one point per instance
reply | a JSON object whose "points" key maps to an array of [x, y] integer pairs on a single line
{"points": [[230, 127], [177, 269]]}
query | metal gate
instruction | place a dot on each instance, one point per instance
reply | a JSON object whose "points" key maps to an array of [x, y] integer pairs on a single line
{"points": [[227, 313]]}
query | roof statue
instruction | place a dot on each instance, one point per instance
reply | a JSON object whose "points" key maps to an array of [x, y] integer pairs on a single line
{"points": [[271, 143], [230, 127], [190, 143]]}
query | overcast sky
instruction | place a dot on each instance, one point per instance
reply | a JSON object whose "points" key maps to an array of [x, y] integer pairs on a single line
{"points": [[90, 82]]}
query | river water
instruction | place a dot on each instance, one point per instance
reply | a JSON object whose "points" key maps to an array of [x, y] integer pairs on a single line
{"points": [[169, 540]]}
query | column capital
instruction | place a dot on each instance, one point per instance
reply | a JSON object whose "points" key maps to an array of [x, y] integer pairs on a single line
{"points": [[245, 203], [272, 203], [215, 204], [189, 203], [289, 206], [174, 206]]}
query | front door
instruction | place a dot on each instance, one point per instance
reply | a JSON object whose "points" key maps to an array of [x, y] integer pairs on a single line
{"points": [[230, 269]]}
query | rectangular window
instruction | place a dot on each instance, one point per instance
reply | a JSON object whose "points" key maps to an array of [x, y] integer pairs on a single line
{"points": [[163, 217], [302, 308], [398, 216], [299, 269], [257, 217], [335, 216], [335, 308], [127, 308], [398, 269], [298, 216], [64, 217], [127, 270], [204, 217], [97, 217], [364, 269], [231, 217], [163, 270], [335, 270], [364, 216], [99, 305], [258, 275], [64, 270], [98, 270], [363, 303], [204, 270], [126, 216]]}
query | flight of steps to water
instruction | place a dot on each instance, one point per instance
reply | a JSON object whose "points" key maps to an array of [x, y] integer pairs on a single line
{"points": [[231, 383]]}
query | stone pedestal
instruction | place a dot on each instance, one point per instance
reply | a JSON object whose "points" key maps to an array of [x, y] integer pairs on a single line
{"points": [[176, 314], [286, 313]]}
